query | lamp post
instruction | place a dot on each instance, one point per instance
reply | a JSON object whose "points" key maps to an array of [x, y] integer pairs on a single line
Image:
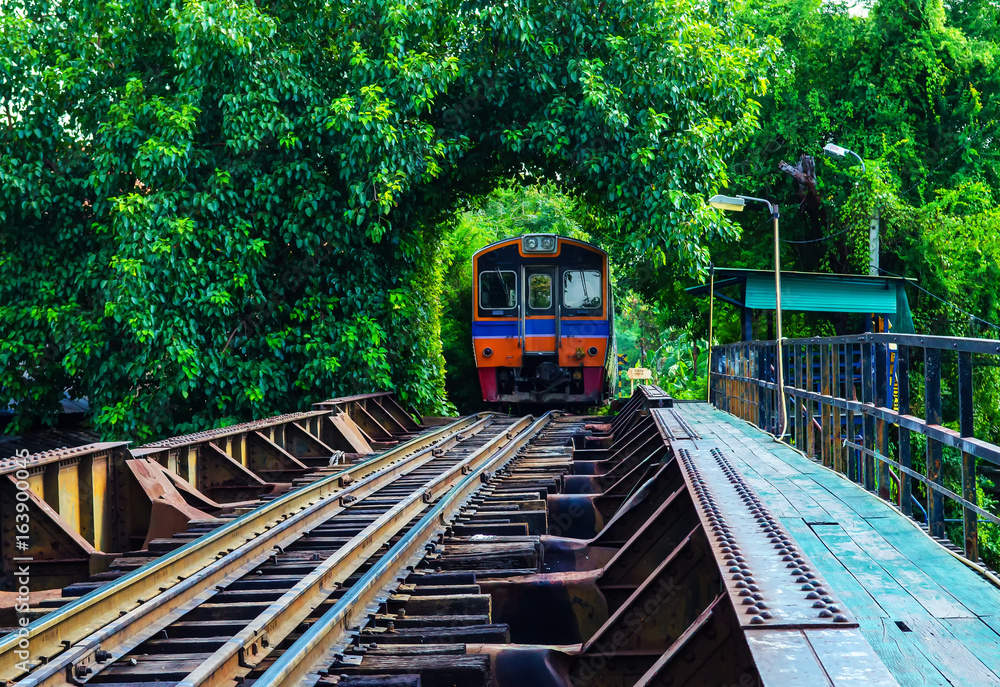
{"points": [[834, 150], [737, 204]]}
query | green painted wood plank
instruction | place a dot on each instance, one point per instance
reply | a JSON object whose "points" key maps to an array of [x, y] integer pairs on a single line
{"points": [[844, 585], [962, 582], [951, 655], [992, 621], [889, 594], [938, 601], [785, 657], [860, 501], [776, 502], [807, 506], [848, 659], [902, 655], [875, 561], [978, 637], [834, 506]]}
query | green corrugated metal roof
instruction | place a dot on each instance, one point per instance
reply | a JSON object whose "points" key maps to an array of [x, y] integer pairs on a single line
{"points": [[822, 293]]}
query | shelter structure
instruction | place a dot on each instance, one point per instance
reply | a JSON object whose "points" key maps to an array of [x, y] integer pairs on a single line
{"points": [[753, 290]]}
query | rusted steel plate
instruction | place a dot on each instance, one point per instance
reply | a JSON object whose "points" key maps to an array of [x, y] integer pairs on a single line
{"points": [[174, 442], [674, 425], [13, 464], [770, 580], [229, 545]]}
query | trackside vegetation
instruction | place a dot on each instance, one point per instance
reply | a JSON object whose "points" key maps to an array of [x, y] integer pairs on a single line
{"points": [[218, 209]]}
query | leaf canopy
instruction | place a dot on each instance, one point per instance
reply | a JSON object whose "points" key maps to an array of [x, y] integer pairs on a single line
{"points": [[216, 208]]}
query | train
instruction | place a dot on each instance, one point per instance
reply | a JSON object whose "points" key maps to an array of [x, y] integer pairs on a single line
{"points": [[543, 322]]}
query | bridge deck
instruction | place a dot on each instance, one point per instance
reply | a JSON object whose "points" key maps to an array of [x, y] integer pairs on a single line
{"points": [[930, 618]]}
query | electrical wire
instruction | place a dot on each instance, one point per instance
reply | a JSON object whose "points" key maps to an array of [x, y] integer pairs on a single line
{"points": [[824, 238]]}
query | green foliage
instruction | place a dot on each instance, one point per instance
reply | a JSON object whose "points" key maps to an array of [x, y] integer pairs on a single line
{"points": [[681, 367], [220, 208], [678, 361]]}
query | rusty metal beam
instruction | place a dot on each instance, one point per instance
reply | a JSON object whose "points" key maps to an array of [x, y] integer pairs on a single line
{"points": [[166, 579]]}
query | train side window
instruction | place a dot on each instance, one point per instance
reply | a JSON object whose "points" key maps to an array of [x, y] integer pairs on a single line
{"points": [[582, 289], [497, 290], [540, 291]]}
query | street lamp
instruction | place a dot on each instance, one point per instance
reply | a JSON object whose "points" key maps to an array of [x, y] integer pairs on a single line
{"points": [[834, 150], [737, 204]]}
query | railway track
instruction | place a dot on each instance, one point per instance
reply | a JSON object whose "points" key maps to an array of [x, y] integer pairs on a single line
{"points": [[267, 568], [494, 551]]}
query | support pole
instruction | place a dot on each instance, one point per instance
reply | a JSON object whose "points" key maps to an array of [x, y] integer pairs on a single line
{"points": [[873, 244], [777, 322], [711, 315]]}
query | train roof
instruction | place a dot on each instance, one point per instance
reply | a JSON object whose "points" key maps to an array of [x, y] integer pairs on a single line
{"points": [[517, 239]]}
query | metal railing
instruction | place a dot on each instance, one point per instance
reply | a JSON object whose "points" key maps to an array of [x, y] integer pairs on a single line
{"points": [[850, 403]]}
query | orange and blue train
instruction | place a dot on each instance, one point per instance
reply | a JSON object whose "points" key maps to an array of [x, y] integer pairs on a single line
{"points": [[543, 321]]}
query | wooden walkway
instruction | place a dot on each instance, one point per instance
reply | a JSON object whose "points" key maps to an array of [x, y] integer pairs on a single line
{"points": [[930, 618]]}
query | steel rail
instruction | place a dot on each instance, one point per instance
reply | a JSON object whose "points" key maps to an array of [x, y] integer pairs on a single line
{"points": [[312, 650], [215, 555], [251, 646]]}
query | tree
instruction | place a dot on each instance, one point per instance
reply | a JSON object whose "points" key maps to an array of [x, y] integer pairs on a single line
{"points": [[220, 208]]}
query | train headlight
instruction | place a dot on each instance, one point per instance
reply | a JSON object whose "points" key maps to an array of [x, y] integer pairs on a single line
{"points": [[593, 350], [487, 352], [539, 243]]}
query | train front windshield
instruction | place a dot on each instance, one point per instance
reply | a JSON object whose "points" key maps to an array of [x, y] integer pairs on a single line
{"points": [[581, 289], [497, 290]]}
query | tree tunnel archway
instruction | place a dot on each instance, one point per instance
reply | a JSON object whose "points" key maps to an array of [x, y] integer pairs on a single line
{"points": [[224, 208]]}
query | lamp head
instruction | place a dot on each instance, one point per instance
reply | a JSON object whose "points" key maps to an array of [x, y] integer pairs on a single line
{"points": [[727, 203], [834, 150]]}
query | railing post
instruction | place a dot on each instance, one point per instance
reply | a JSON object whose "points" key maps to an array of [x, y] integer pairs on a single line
{"points": [[905, 481], [770, 364], [881, 352], [755, 362], [800, 383], [966, 428], [857, 456], [932, 384], [837, 431], [759, 375], [793, 367], [868, 398], [850, 393], [739, 362], [730, 384], [711, 374], [810, 415], [747, 389], [708, 367], [722, 402], [824, 374]]}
